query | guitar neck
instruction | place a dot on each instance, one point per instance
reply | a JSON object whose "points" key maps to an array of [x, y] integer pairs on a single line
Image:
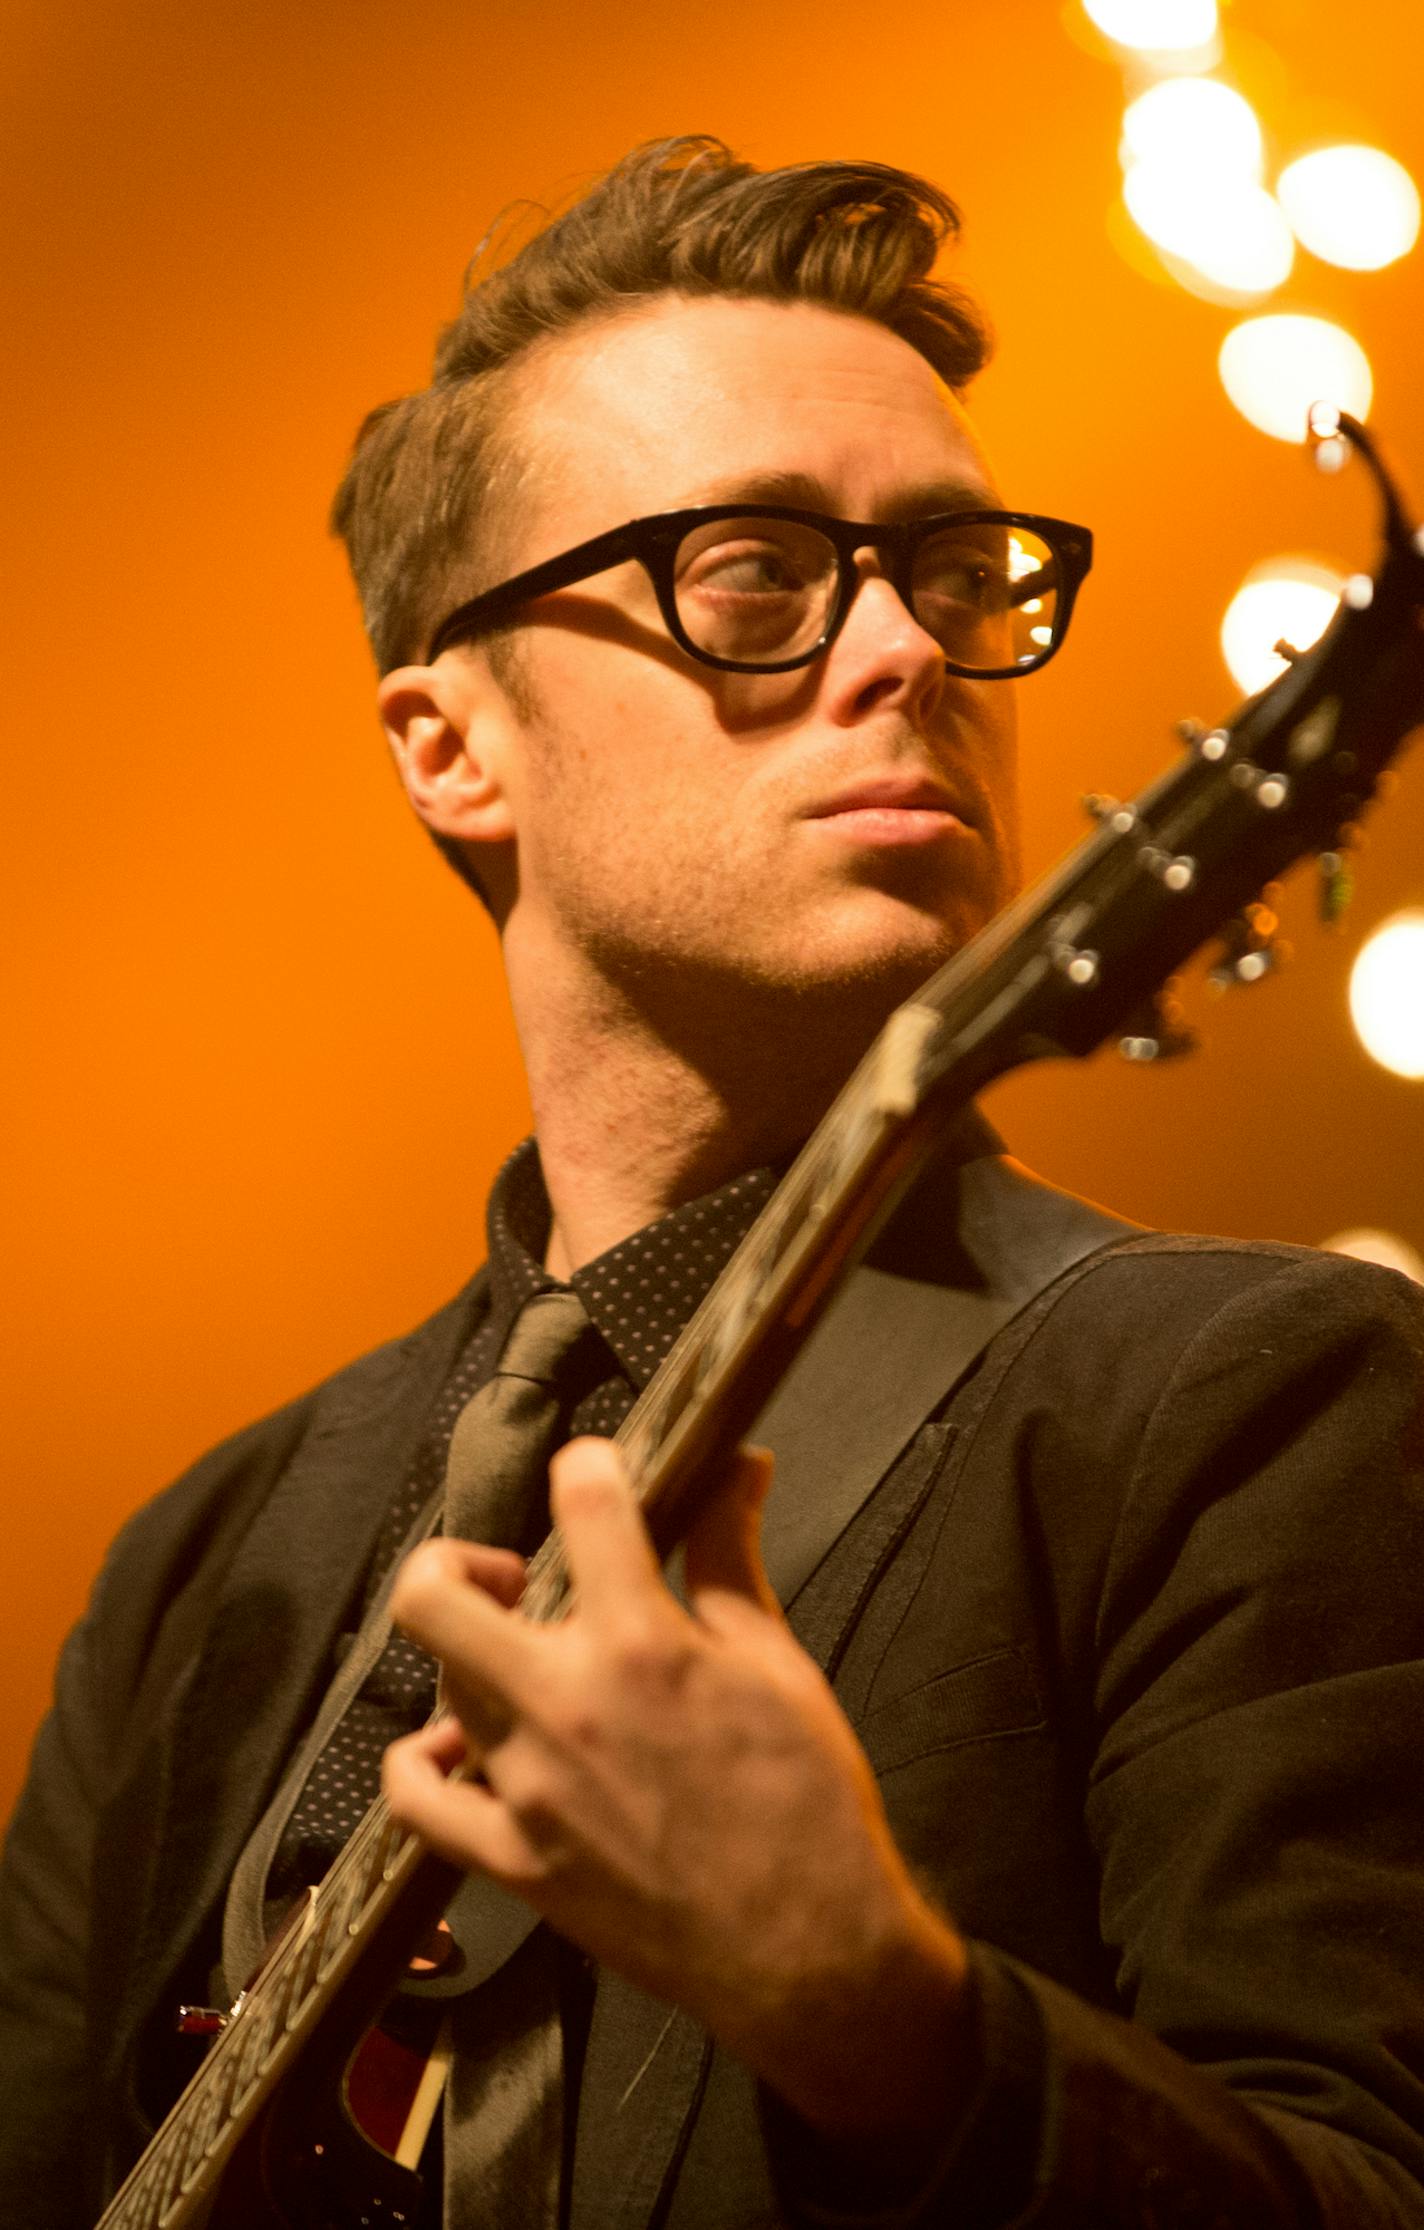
{"points": [[1057, 973]]}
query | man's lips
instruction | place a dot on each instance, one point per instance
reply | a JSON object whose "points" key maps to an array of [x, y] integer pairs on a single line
{"points": [[892, 810]]}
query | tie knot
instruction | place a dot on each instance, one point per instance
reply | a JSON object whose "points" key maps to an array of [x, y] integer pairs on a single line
{"points": [[543, 1336]]}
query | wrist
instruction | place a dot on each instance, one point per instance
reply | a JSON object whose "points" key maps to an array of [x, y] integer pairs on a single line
{"points": [[882, 2043]]}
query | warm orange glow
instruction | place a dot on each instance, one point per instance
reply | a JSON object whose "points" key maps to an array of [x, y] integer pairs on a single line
{"points": [[1157, 27], [1387, 995], [1285, 599], [1274, 368], [1351, 205], [1195, 125], [1221, 224]]}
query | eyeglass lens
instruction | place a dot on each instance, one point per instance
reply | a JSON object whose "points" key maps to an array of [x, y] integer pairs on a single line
{"points": [[758, 590]]}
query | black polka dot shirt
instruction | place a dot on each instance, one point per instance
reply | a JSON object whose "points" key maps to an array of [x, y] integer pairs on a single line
{"points": [[638, 1295]]}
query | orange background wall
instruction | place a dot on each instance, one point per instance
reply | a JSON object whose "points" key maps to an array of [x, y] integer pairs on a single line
{"points": [[262, 1067]]}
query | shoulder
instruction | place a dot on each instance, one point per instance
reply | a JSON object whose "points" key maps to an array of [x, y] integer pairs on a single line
{"points": [[1168, 1367], [197, 1522], [1179, 1306]]}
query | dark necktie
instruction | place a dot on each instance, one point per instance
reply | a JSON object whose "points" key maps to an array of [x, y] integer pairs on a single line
{"points": [[505, 1434], [504, 2105]]}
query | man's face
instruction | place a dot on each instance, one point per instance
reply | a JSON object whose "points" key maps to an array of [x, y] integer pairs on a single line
{"points": [[848, 823]]}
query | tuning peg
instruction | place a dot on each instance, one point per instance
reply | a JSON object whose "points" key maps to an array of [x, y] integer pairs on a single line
{"points": [[1251, 949], [1337, 887], [1110, 811], [1157, 1032]]}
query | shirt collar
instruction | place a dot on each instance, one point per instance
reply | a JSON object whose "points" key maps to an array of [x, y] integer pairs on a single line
{"points": [[639, 1293]]}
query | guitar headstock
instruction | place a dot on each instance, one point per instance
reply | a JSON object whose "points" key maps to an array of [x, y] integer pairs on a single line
{"points": [[1288, 774]]}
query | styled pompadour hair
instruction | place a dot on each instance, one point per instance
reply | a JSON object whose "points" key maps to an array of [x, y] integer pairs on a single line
{"points": [[420, 498], [429, 484]]}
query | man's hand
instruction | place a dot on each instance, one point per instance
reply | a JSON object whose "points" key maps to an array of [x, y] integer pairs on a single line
{"points": [[679, 1793]]}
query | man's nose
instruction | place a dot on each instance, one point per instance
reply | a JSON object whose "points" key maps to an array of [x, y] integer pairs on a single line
{"points": [[887, 654]]}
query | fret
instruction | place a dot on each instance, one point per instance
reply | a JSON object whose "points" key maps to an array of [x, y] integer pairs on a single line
{"points": [[247, 2062], [194, 2152], [300, 1974], [209, 2119], [400, 1847], [309, 1957], [281, 1981], [166, 2191], [338, 1918]]}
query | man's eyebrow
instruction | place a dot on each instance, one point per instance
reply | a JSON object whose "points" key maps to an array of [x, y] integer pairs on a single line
{"points": [[803, 491]]}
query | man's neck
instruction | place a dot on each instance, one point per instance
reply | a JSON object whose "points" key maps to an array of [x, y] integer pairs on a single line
{"points": [[629, 1133], [631, 1126]]}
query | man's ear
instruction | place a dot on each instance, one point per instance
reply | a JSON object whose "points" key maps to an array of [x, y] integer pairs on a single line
{"points": [[444, 733]]}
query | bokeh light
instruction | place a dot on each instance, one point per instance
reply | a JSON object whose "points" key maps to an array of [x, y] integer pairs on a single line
{"points": [[1156, 26], [1274, 368], [1219, 223], [1383, 1247], [1286, 599], [1351, 205], [1387, 994], [1196, 124]]}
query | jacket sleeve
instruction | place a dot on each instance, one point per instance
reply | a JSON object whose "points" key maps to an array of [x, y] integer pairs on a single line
{"points": [[44, 1955], [1256, 1695], [123, 1665]]}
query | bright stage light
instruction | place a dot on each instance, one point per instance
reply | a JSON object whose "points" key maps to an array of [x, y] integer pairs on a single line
{"points": [[1156, 26], [1383, 1247], [1387, 995], [1220, 223], [1285, 600], [1351, 205], [1194, 124], [1274, 368]]}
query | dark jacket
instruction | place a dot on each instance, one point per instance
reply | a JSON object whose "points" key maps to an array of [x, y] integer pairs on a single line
{"points": [[1131, 1631]]}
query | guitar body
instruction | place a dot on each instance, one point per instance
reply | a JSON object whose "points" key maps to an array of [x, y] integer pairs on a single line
{"points": [[321, 2155]]}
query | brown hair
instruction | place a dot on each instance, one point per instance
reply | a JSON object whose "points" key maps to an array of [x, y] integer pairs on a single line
{"points": [[678, 216], [430, 479]]}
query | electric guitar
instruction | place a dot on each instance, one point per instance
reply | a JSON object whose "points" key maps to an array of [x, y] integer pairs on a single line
{"points": [[266, 2135]]}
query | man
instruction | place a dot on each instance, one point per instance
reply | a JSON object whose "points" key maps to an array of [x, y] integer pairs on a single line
{"points": [[1090, 1894]]}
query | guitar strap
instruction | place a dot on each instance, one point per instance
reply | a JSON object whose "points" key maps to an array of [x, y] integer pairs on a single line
{"points": [[964, 1252]]}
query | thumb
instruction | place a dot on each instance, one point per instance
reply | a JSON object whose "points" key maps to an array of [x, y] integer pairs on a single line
{"points": [[723, 1549]]}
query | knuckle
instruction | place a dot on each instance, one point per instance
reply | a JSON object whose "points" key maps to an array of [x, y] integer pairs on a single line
{"points": [[424, 1576], [650, 1654]]}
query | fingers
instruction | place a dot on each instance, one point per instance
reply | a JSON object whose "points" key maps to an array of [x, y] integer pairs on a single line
{"points": [[610, 1558], [723, 1552], [454, 1599], [460, 1819]]}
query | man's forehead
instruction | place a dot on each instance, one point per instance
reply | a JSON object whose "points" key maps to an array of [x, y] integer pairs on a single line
{"points": [[809, 491], [722, 399]]}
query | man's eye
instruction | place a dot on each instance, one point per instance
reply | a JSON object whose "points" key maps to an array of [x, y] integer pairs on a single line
{"points": [[747, 569], [964, 578]]}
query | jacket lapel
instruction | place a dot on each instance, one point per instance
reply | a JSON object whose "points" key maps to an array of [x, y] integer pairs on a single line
{"points": [[964, 1252]]}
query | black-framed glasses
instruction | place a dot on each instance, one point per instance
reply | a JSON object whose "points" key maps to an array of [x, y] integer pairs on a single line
{"points": [[762, 589]]}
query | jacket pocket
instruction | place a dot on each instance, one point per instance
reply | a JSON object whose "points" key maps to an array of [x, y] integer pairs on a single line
{"points": [[991, 1695]]}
